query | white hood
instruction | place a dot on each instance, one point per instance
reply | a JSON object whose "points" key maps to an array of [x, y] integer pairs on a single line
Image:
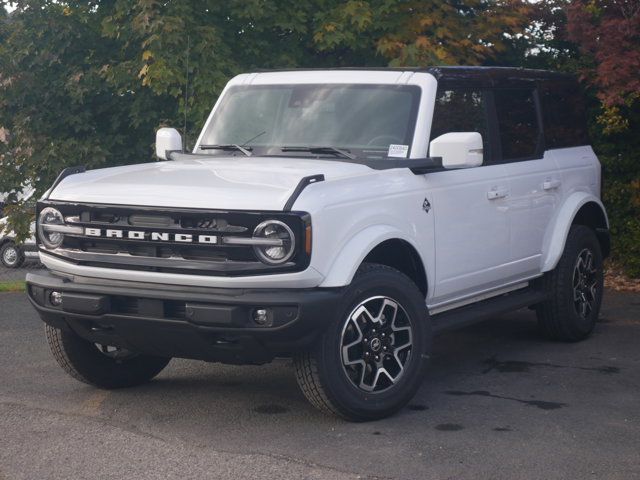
{"points": [[227, 183]]}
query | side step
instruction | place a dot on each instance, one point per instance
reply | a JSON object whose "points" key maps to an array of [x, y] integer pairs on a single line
{"points": [[476, 312]]}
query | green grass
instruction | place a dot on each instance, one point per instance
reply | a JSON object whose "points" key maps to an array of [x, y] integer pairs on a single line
{"points": [[18, 286]]}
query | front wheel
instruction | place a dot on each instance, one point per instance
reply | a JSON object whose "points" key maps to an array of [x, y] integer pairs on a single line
{"points": [[370, 360], [102, 366], [11, 255], [575, 289]]}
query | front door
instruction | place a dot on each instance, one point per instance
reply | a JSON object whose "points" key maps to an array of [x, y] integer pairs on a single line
{"points": [[470, 206], [471, 230]]}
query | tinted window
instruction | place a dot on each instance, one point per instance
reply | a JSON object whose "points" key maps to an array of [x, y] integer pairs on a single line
{"points": [[460, 110], [517, 123], [564, 117]]}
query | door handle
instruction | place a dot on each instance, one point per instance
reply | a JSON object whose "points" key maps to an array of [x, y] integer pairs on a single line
{"points": [[497, 192], [550, 184]]}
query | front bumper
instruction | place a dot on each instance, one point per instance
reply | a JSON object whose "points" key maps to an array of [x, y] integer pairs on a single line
{"points": [[212, 324]]}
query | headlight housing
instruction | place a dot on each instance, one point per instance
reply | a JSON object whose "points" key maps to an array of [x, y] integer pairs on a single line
{"points": [[279, 242], [50, 236]]}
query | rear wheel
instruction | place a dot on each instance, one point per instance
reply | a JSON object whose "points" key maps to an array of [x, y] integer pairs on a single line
{"points": [[11, 255], [575, 289], [101, 365], [370, 361]]}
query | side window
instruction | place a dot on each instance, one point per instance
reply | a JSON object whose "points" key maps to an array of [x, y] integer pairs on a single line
{"points": [[564, 117], [460, 110], [517, 123]]}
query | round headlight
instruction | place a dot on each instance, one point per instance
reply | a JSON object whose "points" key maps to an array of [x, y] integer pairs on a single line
{"points": [[279, 242], [49, 238]]}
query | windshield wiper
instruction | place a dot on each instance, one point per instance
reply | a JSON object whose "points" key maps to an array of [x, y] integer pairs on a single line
{"points": [[333, 150], [231, 146]]}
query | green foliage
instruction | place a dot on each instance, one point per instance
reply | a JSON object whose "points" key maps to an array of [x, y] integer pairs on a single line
{"points": [[620, 156], [422, 33]]}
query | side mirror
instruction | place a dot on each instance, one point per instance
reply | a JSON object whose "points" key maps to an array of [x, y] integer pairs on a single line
{"points": [[458, 149], [167, 140]]}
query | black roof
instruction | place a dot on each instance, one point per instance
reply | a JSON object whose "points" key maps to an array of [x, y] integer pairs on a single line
{"points": [[489, 76], [496, 75]]}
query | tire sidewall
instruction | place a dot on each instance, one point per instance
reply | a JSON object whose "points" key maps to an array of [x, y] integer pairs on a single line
{"points": [[100, 370], [356, 402]]}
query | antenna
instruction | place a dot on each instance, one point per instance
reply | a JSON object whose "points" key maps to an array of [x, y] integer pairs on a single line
{"points": [[186, 95]]}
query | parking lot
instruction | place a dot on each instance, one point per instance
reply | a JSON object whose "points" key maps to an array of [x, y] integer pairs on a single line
{"points": [[18, 274], [498, 402]]}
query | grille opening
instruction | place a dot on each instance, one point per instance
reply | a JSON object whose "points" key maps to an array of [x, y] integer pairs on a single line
{"points": [[102, 217], [150, 221], [175, 309], [127, 305]]}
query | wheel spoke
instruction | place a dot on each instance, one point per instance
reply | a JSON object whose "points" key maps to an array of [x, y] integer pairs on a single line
{"points": [[388, 303], [346, 359]]}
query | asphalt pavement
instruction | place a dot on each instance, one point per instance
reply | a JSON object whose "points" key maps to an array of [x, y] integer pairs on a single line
{"points": [[499, 402]]}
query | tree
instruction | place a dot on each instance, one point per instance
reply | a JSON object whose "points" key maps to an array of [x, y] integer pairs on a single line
{"points": [[422, 33], [608, 32], [56, 109]]}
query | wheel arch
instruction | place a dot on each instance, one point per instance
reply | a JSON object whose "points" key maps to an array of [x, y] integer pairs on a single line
{"points": [[5, 240], [379, 244], [581, 208]]}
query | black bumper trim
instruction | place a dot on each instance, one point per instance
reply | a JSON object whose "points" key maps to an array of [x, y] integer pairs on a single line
{"points": [[188, 322]]}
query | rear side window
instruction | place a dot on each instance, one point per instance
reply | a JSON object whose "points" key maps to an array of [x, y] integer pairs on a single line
{"points": [[460, 110], [564, 117], [517, 123]]}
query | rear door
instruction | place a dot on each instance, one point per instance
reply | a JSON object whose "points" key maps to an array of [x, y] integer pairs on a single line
{"points": [[534, 181]]}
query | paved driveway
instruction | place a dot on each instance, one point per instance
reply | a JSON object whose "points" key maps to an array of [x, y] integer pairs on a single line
{"points": [[498, 403]]}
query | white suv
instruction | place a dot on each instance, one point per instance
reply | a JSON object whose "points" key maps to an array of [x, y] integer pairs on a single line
{"points": [[339, 217]]}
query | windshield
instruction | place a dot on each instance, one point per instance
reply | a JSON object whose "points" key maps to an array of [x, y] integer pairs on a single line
{"points": [[363, 120]]}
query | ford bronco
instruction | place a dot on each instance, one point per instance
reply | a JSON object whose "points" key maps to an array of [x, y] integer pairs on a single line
{"points": [[341, 218]]}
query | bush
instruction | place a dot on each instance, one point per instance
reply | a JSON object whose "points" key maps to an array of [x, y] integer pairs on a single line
{"points": [[620, 157]]}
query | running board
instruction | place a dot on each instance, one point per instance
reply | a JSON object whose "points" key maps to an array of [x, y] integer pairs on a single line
{"points": [[476, 312]]}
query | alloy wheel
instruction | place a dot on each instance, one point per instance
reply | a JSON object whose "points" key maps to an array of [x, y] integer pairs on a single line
{"points": [[585, 284], [376, 344], [10, 256]]}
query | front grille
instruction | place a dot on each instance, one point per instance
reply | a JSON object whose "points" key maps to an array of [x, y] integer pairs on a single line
{"points": [[207, 252]]}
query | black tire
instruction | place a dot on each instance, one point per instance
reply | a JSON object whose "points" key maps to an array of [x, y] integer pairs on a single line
{"points": [[11, 255], [85, 362], [330, 385], [564, 315]]}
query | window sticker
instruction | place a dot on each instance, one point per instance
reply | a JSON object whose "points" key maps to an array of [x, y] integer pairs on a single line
{"points": [[398, 151]]}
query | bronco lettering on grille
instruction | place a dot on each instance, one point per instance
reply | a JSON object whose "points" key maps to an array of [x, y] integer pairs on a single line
{"points": [[152, 236]]}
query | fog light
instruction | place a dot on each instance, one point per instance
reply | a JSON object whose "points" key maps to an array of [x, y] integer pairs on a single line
{"points": [[262, 317], [55, 298]]}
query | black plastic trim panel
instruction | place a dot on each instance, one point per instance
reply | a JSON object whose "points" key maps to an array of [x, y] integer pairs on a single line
{"points": [[212, 324], [304, 183]]}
